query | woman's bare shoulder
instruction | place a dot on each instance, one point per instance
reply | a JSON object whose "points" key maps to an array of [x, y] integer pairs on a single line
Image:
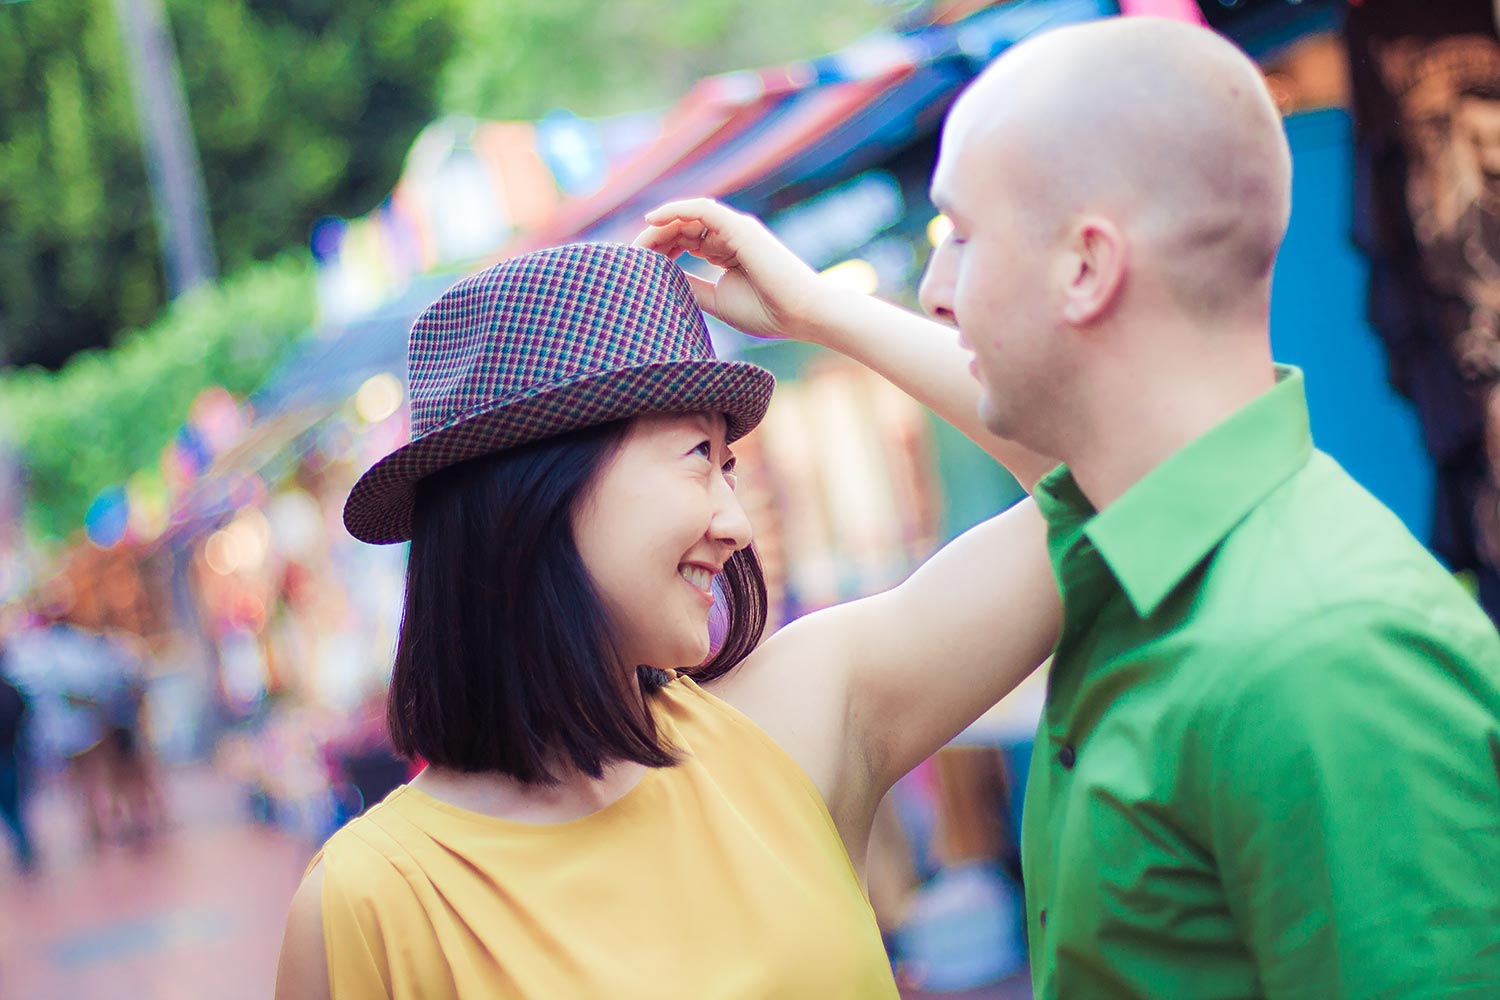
{"points": [[302, 973], [795, 687]]}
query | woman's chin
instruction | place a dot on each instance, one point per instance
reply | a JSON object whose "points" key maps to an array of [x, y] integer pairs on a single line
{"points": [[690, 654]]}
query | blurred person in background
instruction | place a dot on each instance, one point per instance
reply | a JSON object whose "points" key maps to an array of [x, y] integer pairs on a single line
{"points": [[13, 782], [88, 690], [1269, 761], [133, 790], [70, 673], [612, 807]]}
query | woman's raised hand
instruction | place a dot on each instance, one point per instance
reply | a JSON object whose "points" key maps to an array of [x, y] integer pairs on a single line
{"points": [[764, 290]]}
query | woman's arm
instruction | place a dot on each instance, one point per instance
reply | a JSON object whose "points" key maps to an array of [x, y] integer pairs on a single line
{"points": [[302, 973], [861, 693]]}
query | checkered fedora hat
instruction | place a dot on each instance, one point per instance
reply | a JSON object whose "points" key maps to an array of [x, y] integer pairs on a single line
{"points": [[545, 343]]}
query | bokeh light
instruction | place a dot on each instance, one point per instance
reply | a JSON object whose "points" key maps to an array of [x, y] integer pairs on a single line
{"points": [[379, 397], [938, 229], [856, 275]]}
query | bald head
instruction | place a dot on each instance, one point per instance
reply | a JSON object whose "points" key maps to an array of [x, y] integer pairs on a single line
{"points": [[1165, 129]]}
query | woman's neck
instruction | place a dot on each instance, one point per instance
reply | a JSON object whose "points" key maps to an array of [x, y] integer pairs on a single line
{"points": [[493, 794]]}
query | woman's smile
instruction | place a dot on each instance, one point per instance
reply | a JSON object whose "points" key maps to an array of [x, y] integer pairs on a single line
{"points": [[700, 578]]}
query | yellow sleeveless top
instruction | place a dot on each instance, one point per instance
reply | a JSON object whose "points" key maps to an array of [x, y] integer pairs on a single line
{"points": [[723, 877]]}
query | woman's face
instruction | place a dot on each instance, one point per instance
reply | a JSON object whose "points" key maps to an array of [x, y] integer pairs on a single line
{"points": [[658, 524]]}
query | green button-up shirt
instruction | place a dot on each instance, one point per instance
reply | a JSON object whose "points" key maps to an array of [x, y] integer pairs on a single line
{"points": [[1269, 764]]}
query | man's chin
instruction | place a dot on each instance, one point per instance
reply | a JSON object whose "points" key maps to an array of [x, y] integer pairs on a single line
{"points": [[995, 421]]}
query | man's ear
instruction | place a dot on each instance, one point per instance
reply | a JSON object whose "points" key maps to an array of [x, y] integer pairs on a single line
{"points": [[1096, 263]]}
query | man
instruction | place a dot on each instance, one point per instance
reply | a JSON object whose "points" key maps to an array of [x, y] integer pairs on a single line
{"points": [[1269, 763]]}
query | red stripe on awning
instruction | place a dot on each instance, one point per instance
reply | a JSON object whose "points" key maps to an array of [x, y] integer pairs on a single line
{"points": [[837, 104], [714, 112]]}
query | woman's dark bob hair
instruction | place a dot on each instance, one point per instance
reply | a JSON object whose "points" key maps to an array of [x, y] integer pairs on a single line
{"points": [[505, 660]]}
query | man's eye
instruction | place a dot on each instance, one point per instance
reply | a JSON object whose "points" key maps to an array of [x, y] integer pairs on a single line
{"points": [[706, 449]]}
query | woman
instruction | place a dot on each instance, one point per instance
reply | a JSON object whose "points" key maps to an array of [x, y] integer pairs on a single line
{"points": [[611, 809]]}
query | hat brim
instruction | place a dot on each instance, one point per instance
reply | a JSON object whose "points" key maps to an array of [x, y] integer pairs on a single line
{"points": [[379, 508]]}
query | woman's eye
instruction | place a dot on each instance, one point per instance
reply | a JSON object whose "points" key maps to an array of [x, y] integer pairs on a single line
{"points": [[730, 476], [706, 449]]}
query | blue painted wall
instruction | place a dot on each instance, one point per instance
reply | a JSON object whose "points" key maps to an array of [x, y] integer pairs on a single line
{"points": [[1318, 323]]}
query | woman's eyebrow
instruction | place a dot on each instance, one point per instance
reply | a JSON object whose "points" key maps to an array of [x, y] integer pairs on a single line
{"points": [[705, 422]]}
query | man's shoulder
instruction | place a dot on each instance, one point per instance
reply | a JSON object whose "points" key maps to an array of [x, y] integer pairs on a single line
{"points": [[1322, 542], [1322, 576]]}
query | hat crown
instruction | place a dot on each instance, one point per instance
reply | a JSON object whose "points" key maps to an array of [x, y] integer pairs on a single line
{"points": [[544, 319]]}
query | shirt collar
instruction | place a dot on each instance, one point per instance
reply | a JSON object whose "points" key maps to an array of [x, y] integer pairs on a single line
{"points": [[1164, 525]]}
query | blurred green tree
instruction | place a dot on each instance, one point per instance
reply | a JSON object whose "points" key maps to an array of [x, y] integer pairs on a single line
{"points": [[109, 413], [301, 108], [304, 108]]}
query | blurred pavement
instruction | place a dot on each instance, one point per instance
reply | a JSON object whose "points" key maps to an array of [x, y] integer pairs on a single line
{"points": [[197, 913]]}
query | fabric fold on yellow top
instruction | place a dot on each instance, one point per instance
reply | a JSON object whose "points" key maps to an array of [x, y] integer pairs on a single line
{"points": [[723, 877]]}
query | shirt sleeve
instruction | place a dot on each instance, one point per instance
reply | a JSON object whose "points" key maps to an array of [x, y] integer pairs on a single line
{"points": [[1356, 819]]}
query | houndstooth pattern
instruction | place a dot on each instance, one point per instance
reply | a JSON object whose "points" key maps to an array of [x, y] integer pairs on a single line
{"points": [[545, 343]]}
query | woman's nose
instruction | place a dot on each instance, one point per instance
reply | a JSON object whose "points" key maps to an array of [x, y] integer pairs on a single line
{"points": [[730, 525]]}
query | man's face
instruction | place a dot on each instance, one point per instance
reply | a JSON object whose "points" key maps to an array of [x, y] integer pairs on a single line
{"points": [[989, 278], [1477, 121]]}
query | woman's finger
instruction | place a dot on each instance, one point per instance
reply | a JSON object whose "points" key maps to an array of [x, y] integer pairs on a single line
{"points": [[712, 214], [705, 291], [665, 238]]}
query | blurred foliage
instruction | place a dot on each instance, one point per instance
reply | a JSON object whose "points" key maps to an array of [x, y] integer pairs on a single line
{"points": [[107, 414], [302, 108], [523, 58]]}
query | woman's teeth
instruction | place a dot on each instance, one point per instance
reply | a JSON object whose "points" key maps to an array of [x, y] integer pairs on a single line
{"points": [[700, 578]]}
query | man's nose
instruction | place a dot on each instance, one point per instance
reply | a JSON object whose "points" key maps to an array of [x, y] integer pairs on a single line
{"points": [[936, 291]]}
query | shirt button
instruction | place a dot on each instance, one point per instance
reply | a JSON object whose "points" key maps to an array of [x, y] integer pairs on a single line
{"points": [[1041, 918], [1067, 756]]}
